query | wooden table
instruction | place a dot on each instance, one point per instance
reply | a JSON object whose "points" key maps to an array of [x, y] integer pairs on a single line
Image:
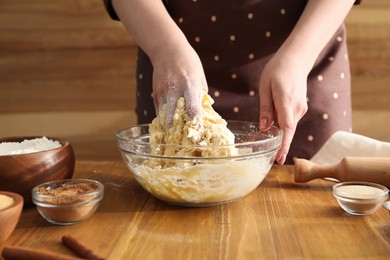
{"points": [[279, 220]]}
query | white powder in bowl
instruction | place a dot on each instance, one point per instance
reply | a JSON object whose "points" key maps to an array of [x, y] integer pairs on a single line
{"points": [[360, 192], [28, 146]]}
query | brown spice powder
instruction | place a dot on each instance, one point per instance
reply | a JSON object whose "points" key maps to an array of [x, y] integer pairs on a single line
{"points": [[67, 193]]}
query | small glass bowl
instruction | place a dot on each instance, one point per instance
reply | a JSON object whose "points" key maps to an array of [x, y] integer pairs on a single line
{"points": [[68, 201], [360, 198]]}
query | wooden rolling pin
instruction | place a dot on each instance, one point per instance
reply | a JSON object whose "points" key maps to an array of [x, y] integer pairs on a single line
{"points": [[368, 169]]}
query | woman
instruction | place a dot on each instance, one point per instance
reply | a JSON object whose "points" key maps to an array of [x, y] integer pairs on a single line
{"points": [[276, 62]]}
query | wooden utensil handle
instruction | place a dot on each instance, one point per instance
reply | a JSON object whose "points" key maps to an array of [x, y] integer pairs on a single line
{"points": [[369, 169]]}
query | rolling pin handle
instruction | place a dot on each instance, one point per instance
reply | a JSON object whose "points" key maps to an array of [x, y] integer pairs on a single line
{"points": [[306, 170]]}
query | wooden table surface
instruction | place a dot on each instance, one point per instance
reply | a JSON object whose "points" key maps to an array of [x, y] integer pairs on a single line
{"points": [[279, 220]]}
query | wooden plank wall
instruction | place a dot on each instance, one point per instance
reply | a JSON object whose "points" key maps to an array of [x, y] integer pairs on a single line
{"points": [[368, 28], [67, 70]]}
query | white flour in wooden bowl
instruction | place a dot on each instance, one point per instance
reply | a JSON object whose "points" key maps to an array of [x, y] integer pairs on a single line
{"points": [[28, 146]]}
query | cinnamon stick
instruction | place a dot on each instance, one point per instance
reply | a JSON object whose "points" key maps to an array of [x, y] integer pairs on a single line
{"points": [[79, 248], [23, 253]]}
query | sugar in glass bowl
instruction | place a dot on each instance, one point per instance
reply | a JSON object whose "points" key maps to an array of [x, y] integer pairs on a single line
{"points": [[201, 181], [360, 198]]}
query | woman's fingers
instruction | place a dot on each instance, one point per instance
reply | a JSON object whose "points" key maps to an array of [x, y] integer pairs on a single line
{"points": [[178, 73], [193, 103], [287, 124], [267, 110], [193, 95], [172, 97], [284, 101]]}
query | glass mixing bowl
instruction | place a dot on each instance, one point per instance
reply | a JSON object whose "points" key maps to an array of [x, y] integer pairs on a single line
{"points": [[201, 181]]}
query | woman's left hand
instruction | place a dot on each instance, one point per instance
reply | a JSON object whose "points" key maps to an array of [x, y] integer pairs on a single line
{"points": [[283, 88], [283, 84]]}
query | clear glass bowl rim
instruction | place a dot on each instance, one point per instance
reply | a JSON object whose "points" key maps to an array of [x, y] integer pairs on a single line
{"points": [[275, 138], [344, 195], [95, 195]]}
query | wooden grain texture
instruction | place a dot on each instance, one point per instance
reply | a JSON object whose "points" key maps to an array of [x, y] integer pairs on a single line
{"points": [[278, 220], [67, 69], [60, 24]]}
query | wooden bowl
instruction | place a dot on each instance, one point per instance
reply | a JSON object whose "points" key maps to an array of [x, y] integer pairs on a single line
{"points": [[9, 217], [21, 172]]}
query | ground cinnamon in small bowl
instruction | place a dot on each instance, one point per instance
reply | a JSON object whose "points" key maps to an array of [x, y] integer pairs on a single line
{"points": [[67, 193], [66, 202]]}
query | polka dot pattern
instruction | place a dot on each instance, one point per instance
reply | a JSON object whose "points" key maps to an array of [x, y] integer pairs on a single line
{"points": [[234, 42]]}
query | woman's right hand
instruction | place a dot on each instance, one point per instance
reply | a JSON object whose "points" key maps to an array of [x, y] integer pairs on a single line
{"points": [[178, 72]]}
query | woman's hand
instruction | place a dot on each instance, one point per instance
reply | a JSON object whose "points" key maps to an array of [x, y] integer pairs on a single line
{"points": [[283, 88], [178, 72], [284, 79]]}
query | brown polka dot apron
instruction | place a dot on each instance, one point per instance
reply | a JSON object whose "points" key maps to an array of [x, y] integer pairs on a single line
{"points": [[234, 40]]}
